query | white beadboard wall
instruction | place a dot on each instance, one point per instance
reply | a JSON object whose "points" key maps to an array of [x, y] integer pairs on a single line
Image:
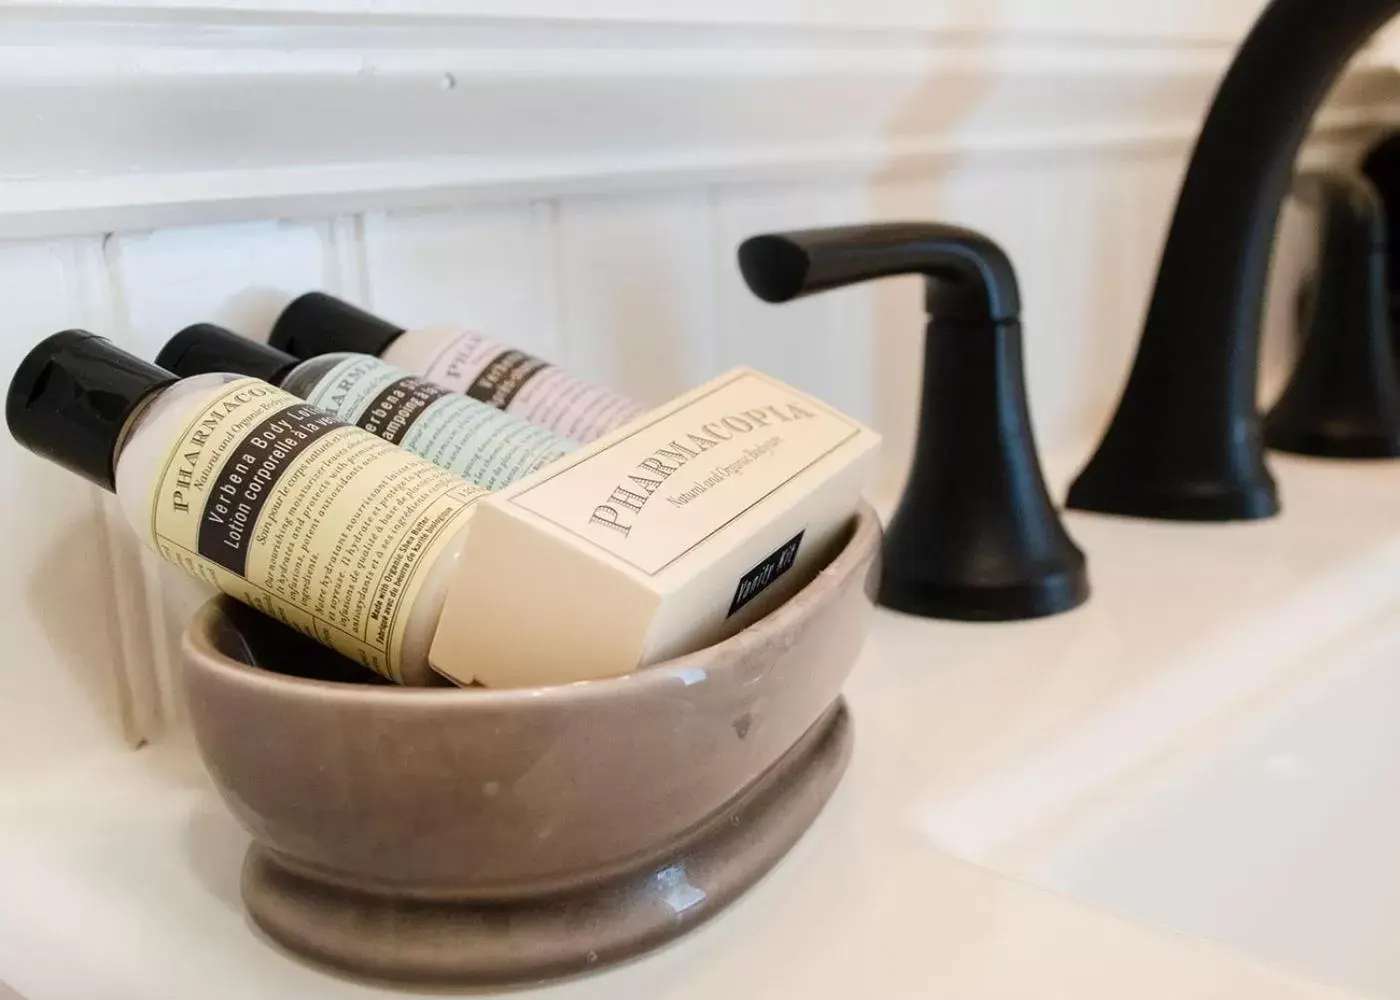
{"points": [[574, 177]]}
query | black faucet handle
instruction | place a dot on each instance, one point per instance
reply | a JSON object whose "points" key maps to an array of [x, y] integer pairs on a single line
{"points": [[1343, 400], [975, 536], [969, 274], [1345, 198], [1381, 165]]}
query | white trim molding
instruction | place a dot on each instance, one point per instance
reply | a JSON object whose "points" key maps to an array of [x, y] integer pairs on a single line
{"points": [[121, 115]]}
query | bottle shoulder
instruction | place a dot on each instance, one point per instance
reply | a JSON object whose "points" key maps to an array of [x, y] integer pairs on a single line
{"points": [[306, 377], [415, 349], [143, 448]]}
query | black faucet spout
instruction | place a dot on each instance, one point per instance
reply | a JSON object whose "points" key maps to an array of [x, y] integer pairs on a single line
{"points": [[1185, 443]]}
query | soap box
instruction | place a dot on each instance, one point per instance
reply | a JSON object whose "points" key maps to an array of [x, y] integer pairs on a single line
{"points": [[671, 533]]}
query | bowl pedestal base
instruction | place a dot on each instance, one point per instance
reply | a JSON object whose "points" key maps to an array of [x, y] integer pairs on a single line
{"points": [[492, 943]]}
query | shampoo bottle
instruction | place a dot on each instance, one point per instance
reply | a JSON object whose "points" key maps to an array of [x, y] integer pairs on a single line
{"points": [[480, 443], [459, 360], [321, 525]]}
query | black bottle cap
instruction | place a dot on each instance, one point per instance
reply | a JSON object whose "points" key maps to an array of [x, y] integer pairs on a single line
{"points": [[317, 323], [205, 347], [71, 397]]}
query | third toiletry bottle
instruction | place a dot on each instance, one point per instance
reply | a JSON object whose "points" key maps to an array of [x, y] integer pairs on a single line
{"points": [[459, 360], [478, 442]]}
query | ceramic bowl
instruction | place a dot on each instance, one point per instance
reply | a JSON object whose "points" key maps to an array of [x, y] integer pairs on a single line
{"points": [[394, 827]]}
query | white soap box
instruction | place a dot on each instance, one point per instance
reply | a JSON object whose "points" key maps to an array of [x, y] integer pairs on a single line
{"points": [[671, 533]]}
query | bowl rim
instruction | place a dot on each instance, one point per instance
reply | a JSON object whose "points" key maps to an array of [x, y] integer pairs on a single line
{"points": [[199, 652]]}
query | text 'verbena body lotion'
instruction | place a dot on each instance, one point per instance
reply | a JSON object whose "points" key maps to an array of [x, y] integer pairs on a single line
{"points": [[321, 525], [480, 443], [461, 361]]}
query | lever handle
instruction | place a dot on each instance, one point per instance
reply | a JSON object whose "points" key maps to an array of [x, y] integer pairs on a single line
{"points": [[1343, 399], [1348, 201], [975, 536], [970, 276]]}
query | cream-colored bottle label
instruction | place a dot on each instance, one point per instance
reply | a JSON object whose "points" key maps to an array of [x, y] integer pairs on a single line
{"points": [[665, 488], [318, 524]]}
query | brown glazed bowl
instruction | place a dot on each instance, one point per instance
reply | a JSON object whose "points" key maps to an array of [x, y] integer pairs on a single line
{"points": [[467, 836]]}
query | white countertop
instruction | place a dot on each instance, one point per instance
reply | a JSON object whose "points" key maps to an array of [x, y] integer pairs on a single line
{"points": [[123, 883], [120, 872]]}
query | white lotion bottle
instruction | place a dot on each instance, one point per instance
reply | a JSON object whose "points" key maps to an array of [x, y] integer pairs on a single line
{"points": [[483, 445], [459, 360], [321, 525]]}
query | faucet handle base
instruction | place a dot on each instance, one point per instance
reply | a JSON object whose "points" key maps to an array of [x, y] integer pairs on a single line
{"points": [[1056, 592], [1178, 501]]}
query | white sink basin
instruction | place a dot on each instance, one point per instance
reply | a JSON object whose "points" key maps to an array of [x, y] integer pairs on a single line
{"points": [[1283, 840], [1244, 787]]}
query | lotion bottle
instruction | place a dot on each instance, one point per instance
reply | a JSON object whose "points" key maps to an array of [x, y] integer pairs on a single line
{"points": [[459, 360], [321, 525], [471, 439]]}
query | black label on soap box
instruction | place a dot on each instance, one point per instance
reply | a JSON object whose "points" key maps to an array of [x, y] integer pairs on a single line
{"points": [[254, 466], [761, 577]]}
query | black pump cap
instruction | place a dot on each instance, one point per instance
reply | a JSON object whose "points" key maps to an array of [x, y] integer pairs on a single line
{"points": [[71, 398], [205, 347], [317, 323]]}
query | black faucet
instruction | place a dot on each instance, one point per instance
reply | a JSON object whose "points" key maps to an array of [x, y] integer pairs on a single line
{"points": [[1185, 443]]}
